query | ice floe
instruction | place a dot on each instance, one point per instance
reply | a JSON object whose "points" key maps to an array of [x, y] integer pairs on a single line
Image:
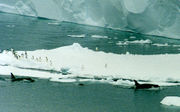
{"points": [[99, 36], [171, 101], [78, 36], [74, 61], [126, 42]]}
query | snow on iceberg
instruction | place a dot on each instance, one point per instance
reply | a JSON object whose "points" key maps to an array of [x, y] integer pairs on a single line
{"points": [[86, 63], [171, 101]]}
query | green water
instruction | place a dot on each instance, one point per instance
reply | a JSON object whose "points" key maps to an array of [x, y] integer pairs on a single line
{"points": [[45, 96], [26, 33]]}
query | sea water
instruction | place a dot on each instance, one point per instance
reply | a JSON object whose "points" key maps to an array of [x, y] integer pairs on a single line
{"points": [[28, 34], [69, 97]]}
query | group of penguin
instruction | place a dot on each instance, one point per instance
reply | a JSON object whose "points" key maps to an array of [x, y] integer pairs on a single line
{"points": [[65, 72]]}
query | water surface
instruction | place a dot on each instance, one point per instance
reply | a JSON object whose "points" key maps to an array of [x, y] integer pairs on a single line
{"points": [[26, 33]]}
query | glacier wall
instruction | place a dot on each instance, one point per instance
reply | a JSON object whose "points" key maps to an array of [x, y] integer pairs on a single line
{"points": [[154, 17]]}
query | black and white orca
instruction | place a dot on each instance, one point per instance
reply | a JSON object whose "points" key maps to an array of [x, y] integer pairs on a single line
{"points": [[145, 86], [13, 78]]}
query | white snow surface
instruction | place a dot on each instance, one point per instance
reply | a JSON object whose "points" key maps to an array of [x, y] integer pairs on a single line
{"points": [[171, 101], [83, 62]]}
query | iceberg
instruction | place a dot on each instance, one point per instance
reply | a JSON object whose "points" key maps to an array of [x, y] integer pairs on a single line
{"points": [[78, 62], [152, 17], [171, 101]]}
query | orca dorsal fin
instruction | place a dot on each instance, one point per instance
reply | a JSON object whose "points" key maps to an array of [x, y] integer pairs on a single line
{"points": [[136, 83], [12, 76]]}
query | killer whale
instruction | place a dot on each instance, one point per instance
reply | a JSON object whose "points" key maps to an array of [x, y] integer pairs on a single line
{"points": [[81, 84], [13, 78], [145, 86]]}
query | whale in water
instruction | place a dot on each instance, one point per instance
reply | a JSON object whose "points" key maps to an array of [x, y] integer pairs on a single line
{"points": [[145, 86], [13, 78]]}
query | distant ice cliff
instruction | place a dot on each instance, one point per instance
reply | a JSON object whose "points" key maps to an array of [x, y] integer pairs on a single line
{"points": [[154, 17]]}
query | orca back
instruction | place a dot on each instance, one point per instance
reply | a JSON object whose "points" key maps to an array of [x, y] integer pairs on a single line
{"points": [[136, 83], [12, 76], [145, 86]]}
